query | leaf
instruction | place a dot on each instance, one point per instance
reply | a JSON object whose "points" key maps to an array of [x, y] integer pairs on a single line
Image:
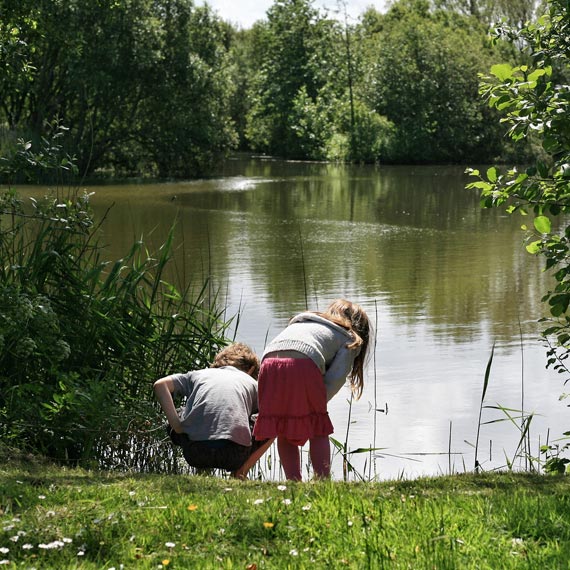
{"points": [[502, 71], [536, 74], [487, 373], [492, 174], [485, 186], [534, 247], [542, 225], [550, 144]]}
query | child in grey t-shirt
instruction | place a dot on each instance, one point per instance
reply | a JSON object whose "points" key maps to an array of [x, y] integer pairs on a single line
{"points": [[215, 425]]}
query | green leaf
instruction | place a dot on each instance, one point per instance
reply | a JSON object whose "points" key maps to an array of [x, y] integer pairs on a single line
{"points": [[502, 71], [542, 225], [536, 74], [480, 184], [534, 247], [550, 144], [492, 174]]}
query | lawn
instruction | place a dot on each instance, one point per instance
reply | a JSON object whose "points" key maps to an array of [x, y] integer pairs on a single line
{"points": [[59, 518]]}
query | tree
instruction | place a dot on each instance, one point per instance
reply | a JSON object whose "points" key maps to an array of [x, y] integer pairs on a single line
{"points": [[535, 102], [292, 47], [514, 12], [142, 85], [422, 75], [185, 123]]}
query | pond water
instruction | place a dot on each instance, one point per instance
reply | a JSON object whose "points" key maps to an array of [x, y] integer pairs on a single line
{"points": [[441, 279]]}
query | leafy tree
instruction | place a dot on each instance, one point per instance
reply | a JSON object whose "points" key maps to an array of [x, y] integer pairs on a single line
{"points": [[535, 102], [140, 84], [185, 120], [422, 76], [292, 44], [514, 12]]}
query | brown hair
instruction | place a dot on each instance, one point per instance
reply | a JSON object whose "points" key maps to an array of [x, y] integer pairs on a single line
{"points": [[240, 356], [353, 318]]}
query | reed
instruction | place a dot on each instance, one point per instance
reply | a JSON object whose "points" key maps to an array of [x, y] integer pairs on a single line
{"points": [[83, 338], [477, 465]]}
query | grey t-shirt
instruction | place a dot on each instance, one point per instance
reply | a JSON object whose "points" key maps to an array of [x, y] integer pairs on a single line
{"points": [[219, 402]]}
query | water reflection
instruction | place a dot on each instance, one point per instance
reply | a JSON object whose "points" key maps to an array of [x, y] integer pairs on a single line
{"points": [[441, 278]]}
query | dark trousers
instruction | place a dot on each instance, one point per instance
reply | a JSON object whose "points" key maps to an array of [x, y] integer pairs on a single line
{"points": [[213, 454]]}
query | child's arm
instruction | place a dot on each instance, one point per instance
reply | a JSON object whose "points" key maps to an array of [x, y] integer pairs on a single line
{"points": [[163, 390], [336, 373]]}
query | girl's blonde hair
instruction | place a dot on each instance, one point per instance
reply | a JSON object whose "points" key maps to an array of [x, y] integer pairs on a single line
{"points": [[353, 318]]}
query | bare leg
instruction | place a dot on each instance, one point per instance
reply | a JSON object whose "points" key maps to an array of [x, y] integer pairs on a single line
{"points": [[290, 459], [320, 453], [242, 472]]}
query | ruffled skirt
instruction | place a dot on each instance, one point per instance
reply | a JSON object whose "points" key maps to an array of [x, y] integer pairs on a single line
{"points": [[292, 401]]}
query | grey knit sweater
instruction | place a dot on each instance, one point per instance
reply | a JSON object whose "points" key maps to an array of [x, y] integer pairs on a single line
{"points": [[324, 342]]}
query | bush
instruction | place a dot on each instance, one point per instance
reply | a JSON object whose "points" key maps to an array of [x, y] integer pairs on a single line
{"points": [[81, 339]]}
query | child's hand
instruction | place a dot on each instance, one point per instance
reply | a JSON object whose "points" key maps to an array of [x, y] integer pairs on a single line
{"points": [[177, 438]]}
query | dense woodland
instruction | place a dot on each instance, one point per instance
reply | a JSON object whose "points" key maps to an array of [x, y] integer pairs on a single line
{"points": [[166, 88]]}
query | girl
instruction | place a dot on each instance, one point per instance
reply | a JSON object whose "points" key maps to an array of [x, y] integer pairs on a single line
{"points": [[301, 370]]}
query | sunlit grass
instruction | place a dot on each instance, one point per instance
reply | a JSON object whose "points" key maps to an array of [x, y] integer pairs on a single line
{"points": [[56, 518]]}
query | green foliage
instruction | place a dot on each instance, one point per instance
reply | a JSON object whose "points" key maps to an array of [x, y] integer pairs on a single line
{"points": [[141, 85], [554, 462], [534, 101], [82, 339], [291, 46], [422, 75]]}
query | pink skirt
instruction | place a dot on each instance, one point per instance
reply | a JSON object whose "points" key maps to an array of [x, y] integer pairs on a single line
{"points": [[292, 401]]}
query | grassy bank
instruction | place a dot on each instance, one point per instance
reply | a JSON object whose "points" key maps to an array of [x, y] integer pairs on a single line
{"points": [[57, 518]]}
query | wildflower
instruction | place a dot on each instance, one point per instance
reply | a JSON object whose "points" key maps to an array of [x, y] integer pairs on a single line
{"points": [[27, 546], [192, 507], [228, 489], [52, 545], [14, 538], [67, 540], [50, 514], [286, 501], [281, 488], [165, 562], [8, 528], [132, 493], [170, 544], [4, 550], [41, 497], [306, 507], [350, 523], [221, 531], [293, 552], [81, 553], [268, 524], [4, 562], [258, 501]]}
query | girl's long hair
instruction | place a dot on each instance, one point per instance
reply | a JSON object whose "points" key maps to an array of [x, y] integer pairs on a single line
{"points": [[353, 318]]}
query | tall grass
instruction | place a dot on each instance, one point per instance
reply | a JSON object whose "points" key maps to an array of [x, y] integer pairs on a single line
{"points": [[82, 338]]}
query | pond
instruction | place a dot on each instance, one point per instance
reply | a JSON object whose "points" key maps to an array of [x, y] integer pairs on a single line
{"points": [[441, 279]]}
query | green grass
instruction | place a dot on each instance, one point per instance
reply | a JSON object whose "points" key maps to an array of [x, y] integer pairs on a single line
{"points": [[109, 520]]}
